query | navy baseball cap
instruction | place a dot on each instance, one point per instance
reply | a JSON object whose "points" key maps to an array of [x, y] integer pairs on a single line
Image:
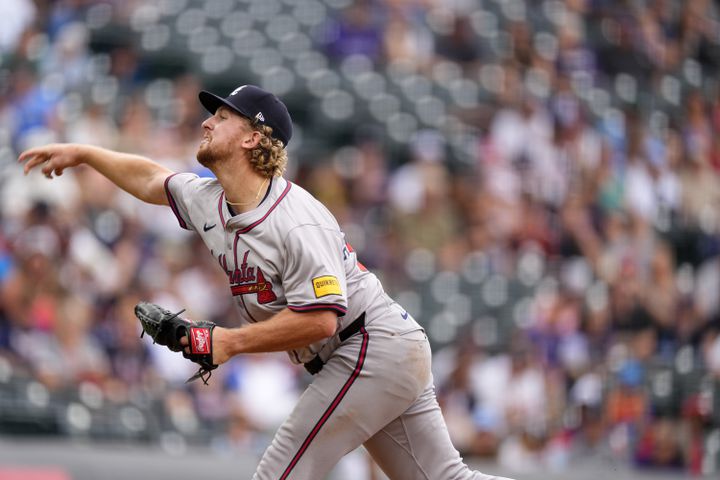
{"points": [[256, 104]]}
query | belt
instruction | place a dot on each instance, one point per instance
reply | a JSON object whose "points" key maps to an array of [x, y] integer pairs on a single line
{"points": [[316, 364]]}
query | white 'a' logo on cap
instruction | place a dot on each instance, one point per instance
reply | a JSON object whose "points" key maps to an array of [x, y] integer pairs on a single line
{"points": [[237, 90], [260, 117]]}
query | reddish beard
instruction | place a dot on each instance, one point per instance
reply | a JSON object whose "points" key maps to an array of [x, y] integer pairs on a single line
{"points": [[206, 157], [209, 155]]}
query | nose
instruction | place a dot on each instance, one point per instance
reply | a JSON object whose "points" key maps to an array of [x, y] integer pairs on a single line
{"points": [[207, 124]]}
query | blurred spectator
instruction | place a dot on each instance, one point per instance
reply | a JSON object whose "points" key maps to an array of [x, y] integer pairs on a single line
{"points": [[68, 56], [33, 106], [659, 446], [618, 54], [356, 31], [128, 359], [587, 443], [460, 44], [661, 296], [15, 17], [710, 349], [265, 387], [627, 406], [575, 58], [95, 126], [521, 43], [473, 429], [31, 292], [520, 133], [238, 434], [420, 194], [511, 389], [697, 33], [407, 38], [70, 354], [525, 451]]}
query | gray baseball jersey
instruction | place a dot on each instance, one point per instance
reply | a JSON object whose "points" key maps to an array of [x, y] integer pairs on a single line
{"points": [[373, 386]]}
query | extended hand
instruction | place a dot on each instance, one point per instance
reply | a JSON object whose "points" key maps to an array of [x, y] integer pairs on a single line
{"points": [[54, 158]]}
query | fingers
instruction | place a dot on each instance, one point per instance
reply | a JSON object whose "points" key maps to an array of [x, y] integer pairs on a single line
{"points": [[50, 158], [29, 153], [33, 158], [49, 168]]}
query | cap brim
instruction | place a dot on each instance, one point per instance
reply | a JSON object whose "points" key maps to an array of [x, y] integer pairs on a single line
{"points": [[212, 102]]}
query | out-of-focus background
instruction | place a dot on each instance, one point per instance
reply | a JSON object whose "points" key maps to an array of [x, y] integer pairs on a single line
{"points": [[537, 182]]}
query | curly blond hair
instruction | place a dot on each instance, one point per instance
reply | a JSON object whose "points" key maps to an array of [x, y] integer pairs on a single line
{"points": [[270, 157]]}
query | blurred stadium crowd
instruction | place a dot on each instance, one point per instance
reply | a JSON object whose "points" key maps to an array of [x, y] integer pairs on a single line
{"points": [[537, 181]]}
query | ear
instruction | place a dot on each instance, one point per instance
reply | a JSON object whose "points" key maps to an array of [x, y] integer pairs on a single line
{"points": [[251, 140]]}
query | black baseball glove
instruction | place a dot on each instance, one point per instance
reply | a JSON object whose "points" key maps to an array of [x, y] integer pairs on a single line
{"points": [[167, 328]]}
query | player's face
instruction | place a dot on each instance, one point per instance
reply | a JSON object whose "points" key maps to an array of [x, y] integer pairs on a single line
{"points": [[224, 135]]}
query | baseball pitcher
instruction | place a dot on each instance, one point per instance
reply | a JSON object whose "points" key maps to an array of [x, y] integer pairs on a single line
{"points": [[299, 288]]}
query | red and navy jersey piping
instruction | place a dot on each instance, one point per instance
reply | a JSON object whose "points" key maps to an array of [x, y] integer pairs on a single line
{"points": [[341, 310], [173, 204], [272, 207], [220, 208]]}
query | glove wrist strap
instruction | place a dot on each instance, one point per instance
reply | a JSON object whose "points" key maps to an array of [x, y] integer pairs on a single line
{"points": [[200, 339]]}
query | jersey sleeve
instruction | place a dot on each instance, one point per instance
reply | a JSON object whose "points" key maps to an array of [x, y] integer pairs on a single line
{"points": [[313, 274], [179, 188]]}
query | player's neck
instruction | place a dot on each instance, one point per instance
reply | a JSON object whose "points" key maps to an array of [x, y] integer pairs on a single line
{"points": [[244, 187], [244, 193]]}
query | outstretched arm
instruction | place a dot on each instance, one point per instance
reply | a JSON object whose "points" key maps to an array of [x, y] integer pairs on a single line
{"points": [[137, 175]]}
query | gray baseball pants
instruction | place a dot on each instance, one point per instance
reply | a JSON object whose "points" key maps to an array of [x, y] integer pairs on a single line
{"points": [[375, 390]]}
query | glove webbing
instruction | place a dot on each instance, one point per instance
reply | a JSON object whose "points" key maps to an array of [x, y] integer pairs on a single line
{"points": [[203, 373], [142, 334]]}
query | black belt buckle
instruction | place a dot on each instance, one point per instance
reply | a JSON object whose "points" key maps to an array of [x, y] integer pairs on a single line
{"points": [[316, 364]]}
